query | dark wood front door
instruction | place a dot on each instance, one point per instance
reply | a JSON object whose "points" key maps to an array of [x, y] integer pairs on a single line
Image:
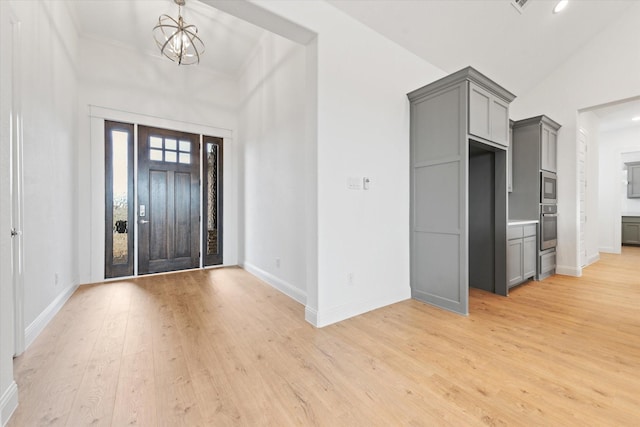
{"points": [[168, 200]]}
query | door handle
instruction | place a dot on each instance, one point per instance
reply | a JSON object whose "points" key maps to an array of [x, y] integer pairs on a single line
{"points": [[144, 221], [15, 232]]}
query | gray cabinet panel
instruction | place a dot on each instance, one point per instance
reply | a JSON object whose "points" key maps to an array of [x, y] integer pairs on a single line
{"points": [[529, 254], [547, 264], [479, 112], [630, 230], [436, 263], [514, 262], [522, 250], [439, 240], [499, 121], [633, 180], [549, 149], [439, 121], [437, 197]]}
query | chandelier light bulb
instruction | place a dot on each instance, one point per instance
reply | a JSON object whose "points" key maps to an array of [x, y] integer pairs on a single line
{"points": [[177, 40]]}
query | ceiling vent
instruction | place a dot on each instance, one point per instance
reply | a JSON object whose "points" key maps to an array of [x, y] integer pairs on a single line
{"points": [[519, 4]]}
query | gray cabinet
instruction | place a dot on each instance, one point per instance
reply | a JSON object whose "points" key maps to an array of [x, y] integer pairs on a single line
{"points": [[633, 180], [510, 159], [631, 230], [488, 115], [521, 253], [534, 148], [440, 202], [549, 147]]}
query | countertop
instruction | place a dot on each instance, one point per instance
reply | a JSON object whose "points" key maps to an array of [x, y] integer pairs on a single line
{"points": [[522, 221]]}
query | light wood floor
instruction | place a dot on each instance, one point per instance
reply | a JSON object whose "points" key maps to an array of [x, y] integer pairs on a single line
{"points": [[219, 347]]}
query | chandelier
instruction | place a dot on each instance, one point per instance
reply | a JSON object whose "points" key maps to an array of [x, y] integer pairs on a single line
{"points": [[178, 41]]}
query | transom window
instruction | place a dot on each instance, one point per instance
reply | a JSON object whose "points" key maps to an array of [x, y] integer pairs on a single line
{"points": [[169, 150]]}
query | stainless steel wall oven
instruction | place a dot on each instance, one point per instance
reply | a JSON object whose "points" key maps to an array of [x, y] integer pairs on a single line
{"points": [[548, 226]]}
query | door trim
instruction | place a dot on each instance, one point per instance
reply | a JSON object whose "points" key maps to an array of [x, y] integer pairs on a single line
{"points": [[16, 176]]}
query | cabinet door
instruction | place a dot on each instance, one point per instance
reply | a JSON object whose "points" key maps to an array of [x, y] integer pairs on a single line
{"points": [[480, 105], [514, 262], [548, 149], [631, 233], [633, 180], [499, 118], [529, 253]]}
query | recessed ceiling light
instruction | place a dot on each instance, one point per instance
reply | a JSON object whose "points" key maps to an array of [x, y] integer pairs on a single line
{"points": [[560, 6], [636, 119]]}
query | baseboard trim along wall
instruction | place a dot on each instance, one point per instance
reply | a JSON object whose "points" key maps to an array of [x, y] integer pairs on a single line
{"points": [[569, 271], [342, 312], [8, 403], [37, 326], [593, 258], [279, 284]]}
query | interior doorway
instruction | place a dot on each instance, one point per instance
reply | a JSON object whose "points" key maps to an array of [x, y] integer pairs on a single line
{"points": [[154, 203]]}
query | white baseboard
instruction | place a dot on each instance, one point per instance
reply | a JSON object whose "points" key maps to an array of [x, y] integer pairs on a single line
{"points": [[8, 403], [279, 284], [333, 315], [569, 271], [37, 326], [610, 250], [593, 258], [311, 316]]}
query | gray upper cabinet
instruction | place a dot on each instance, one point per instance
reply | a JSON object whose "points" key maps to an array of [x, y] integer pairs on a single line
{"points": [[549, 148], [534, 148], [440, 138], [488, 115], [633, 180]]}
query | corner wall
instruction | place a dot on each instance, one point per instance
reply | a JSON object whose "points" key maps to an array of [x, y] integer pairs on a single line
{"points": [[597, 74], [362, 131], [271, 133]]}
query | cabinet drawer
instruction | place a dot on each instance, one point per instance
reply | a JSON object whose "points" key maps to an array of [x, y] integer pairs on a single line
{"points": [[547, 263], [514, 232], [529, 230]]}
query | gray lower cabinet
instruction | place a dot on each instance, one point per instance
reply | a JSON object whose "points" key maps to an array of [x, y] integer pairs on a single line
{"points": [[631, 230], [521, 253]]}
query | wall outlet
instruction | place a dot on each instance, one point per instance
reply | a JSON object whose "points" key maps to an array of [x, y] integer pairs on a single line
{"points": [[55, 279], [277, 262], [350, 279]]}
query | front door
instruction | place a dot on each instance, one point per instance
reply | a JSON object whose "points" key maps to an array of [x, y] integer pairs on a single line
{"points": [[168, 200]]}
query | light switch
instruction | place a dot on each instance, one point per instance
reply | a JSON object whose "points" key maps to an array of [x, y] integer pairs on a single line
{"points": [[366, 183], [354, 183]]}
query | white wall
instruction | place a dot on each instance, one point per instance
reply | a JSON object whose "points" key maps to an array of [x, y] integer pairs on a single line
{"points": [[8, 390], [272, 136], [616, 148], [152, 91], [47, 96], [49, 107], [604, 70], [362, 130]]}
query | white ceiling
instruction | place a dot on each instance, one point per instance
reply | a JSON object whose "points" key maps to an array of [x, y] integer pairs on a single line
{"points": [[516, 49], [228, 40], [618, 115]]}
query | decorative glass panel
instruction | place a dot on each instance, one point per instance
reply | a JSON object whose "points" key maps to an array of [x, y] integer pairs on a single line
{"points": [[185, 158], [155, 155], [170, 144], [185, 146], [155, 142], [212, 199], [120, 162], [170, 156]]}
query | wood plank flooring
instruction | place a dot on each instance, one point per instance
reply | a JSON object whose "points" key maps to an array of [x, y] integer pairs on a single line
{"points": [[221, 348]]}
